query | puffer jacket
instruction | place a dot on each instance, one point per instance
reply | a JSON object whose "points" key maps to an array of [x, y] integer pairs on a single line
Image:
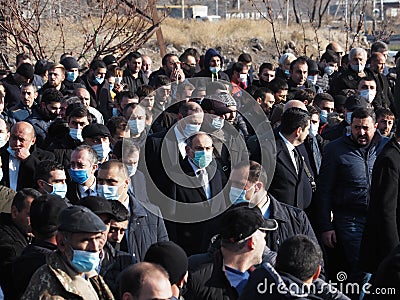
{"points": [[345, 178]]}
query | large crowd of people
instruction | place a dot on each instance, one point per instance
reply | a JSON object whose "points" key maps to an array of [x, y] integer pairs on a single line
{"points": [[202, 179]]}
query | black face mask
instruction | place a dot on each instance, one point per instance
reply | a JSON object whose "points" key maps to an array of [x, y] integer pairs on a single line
{"points": [[189, 72]]}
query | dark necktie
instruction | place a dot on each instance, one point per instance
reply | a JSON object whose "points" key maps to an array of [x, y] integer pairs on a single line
{"points": [[299, 159]]}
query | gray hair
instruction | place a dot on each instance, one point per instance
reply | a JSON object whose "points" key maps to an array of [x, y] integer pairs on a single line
{"points": [[353, 52]]}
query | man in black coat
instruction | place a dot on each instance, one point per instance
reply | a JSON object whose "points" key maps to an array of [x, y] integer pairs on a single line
{"points": [[133, 76], [382, 230], [249, 180], [15, 235], [291, 184], [200, 183], [99, 88], [20, 159], [44, 213]]}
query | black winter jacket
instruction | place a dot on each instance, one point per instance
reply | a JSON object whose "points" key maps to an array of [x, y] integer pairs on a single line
{"points": [[345, 178]]}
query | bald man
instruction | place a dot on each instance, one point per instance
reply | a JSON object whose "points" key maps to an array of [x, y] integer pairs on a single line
{"points": [[21, 157]]}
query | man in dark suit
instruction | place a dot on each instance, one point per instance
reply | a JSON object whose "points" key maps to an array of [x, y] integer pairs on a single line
{"points": [[21, 158], [382, 230], [291, 184], [165, 150], [199, 182]]}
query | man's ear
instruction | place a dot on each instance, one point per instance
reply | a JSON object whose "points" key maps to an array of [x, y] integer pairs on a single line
{"points": [[298, 131], [250, 243], [127, 296], [317, 273], [14, 212], [258, 186], [259, 100], [95, 167], [40, 183]]}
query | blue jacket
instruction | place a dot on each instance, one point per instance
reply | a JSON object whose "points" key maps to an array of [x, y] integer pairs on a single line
{"points": [[345, 178]]}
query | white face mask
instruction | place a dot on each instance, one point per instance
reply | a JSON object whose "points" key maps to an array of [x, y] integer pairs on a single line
{"points": [[243, 77], [314, 129], [3, 139], [368, 95], [191, 129], [313, 79]]}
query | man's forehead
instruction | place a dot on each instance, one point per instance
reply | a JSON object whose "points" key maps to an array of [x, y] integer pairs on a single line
{"points": [[58, 174]]}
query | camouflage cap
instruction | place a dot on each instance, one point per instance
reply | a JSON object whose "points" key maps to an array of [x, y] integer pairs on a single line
{"points": [[80, 219]]}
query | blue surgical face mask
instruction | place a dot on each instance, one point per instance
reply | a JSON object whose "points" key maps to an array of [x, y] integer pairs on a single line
{"points": [[136, 126], [85, 261], [323, 116], [111, 86], [118, 80], [368, 95], [72, 76], [131, 170], [287, 73], [237, 195], [107, 191], [76, 134], [11, 151], [202, 158], [115, 112], [59, 189], [357, 68], [79, 176], [217, 123], [348, 117], [98, 80], [313, 79], [191, 129], [102, 150], [215, 70], [329, 70]]}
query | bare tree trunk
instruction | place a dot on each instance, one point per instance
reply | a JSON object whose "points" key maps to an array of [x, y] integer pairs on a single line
{"points": [[295, 12]]}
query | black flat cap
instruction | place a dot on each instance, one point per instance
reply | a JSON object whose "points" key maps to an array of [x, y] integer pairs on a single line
{"points": [[44, 213], [80, 219], [98, 205], [95, 130]]}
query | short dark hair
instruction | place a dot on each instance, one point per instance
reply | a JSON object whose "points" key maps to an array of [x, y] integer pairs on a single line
{"points": [[116, 122], [78, 112], [256, 171], [383, 112], [278, 84], [330, 56], [363, 113], [119, 211], [144, 91], [133, 54], [300, 60], [245, 57], [186, 107], [51, 95], [379, 46], [268, 66], [21, 56], [261, 92], [322, 97], [161, 80], [133, 277], [294, 118], [238, 66], [20, 197], [366, 78], [303, 95], [166, 57], [299, 256], [97, 64], [45, 167]]}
